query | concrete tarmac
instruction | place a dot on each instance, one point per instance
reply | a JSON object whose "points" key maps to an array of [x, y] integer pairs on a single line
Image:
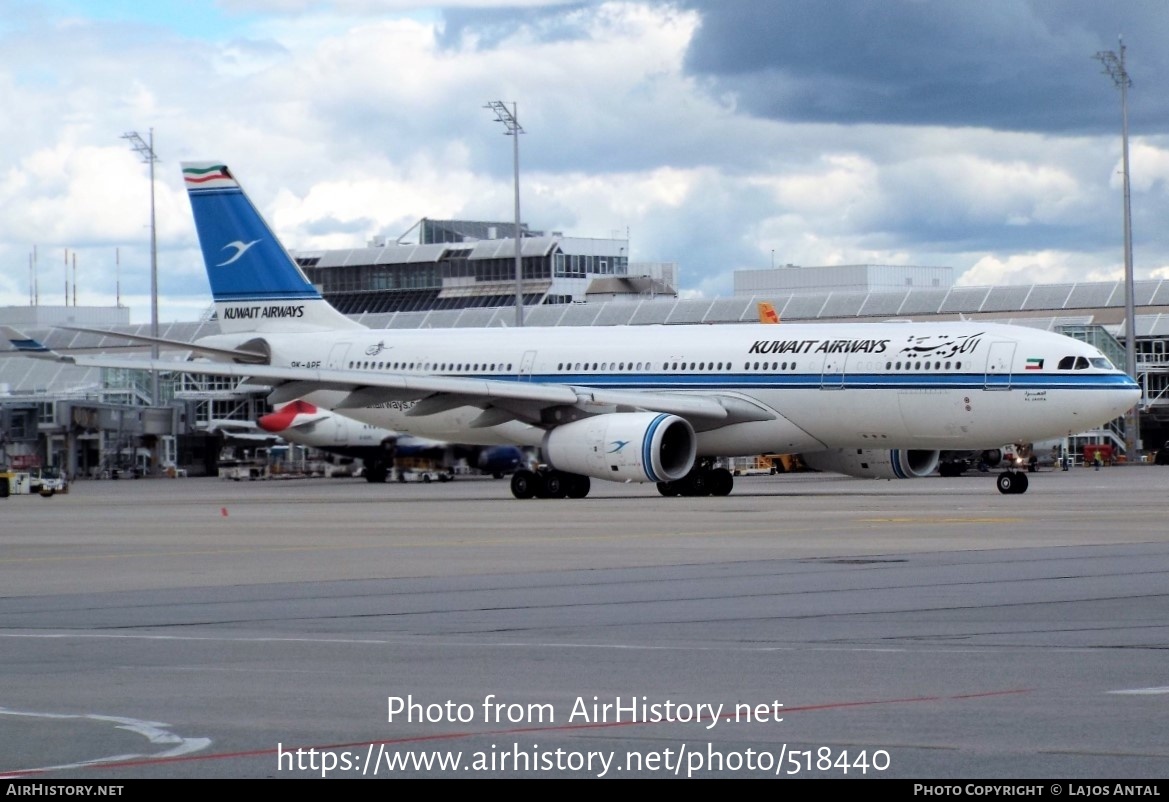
{"points": [[806, 625]]}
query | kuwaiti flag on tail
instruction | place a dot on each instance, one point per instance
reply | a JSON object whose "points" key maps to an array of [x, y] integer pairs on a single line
{"points": [[207, 176], [255, 283], [1034, 363]]}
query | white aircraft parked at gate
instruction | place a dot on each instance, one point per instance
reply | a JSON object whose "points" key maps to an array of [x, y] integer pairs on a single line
{"points": [[640, 403]]}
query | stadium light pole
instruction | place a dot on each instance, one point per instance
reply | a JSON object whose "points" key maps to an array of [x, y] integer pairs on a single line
{"points": [[145, 149], [1114, 68], [509, 120]]}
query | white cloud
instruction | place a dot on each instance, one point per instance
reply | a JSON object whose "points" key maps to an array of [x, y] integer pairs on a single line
{"points": [[1045, 267]]}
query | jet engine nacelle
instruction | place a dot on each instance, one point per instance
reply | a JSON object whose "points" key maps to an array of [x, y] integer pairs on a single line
{"points": [[875, 464], [624, 446]]}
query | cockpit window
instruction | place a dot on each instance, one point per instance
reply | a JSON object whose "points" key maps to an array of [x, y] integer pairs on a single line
{"points": [[1102, 363], [1067, 363], [1081, 363]]}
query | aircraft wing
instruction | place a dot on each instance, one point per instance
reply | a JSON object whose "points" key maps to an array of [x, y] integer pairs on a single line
{"points": [[500, 399]]}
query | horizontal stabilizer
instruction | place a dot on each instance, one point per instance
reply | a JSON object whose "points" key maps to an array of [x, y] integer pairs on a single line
{"points": [[28, 346], [241, 354]]}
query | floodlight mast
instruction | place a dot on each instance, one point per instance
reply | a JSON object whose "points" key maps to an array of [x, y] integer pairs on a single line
{"points": [[509, 120], [145, 149], [1114, 68]]}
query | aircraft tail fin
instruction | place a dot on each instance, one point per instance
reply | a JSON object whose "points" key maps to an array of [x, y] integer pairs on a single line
{"points": [[255, 283], [767, 313]]}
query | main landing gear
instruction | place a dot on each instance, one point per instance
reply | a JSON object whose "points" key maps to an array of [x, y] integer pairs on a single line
{"points": [[377, 472], [703, 480], [1012, 482], [549, 483]]}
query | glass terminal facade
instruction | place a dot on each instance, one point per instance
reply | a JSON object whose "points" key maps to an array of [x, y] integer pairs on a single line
{"points": [[462, 265]]}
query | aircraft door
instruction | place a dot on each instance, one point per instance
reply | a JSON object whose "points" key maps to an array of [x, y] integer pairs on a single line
{"points": [[526, 364], [337, 356], [998, 366], [832, 374]]}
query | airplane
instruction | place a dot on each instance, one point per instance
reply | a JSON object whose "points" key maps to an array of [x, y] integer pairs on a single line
{"points": [[657, 403], [306, 424]]}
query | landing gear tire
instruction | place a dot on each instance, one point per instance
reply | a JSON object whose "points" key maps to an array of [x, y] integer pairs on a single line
{"points": [[375, 474], [696, 483], [555, 485], [720, 482], [578, 486], [701, 481], [1011, 482], [524, 484]]}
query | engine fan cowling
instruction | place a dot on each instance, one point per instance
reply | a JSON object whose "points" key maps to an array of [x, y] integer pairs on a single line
{"points": [[624, 446], [875, 464]]}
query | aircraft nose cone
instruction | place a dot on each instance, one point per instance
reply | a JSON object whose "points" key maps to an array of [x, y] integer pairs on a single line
{"points": [[273, 422], [282, 418]]}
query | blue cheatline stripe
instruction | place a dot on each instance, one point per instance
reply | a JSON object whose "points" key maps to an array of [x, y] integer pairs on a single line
{"points": [[733, 381], [713, 382], [895, 460], [722, 381], [647, 448]]}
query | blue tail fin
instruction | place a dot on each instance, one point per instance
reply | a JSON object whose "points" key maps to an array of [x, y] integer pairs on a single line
{"points": [[255, 283]]}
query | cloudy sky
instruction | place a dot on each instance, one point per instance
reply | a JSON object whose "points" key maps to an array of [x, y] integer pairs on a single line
{"points": [[719, 135]]}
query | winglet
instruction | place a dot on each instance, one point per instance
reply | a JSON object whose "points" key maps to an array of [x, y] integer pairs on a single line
{"points": [[30, 347]]}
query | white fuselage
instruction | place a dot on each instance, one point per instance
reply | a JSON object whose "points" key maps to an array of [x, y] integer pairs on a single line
{"points": [[818, 386]]}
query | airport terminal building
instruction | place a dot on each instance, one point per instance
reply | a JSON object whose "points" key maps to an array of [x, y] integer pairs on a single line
{"points": [[460, 264]]}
